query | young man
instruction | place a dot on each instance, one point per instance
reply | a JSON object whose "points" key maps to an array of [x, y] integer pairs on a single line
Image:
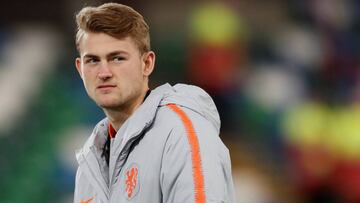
{"points": [[153, 146]]}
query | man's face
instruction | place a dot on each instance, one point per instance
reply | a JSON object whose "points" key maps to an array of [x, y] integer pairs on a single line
{"points": [[114, 72]]}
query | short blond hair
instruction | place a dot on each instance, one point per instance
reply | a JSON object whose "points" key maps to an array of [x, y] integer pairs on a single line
{"points": [[117, 20]]}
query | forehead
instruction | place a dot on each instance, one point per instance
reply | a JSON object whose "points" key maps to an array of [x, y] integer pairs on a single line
{"points": [[101, 44]]}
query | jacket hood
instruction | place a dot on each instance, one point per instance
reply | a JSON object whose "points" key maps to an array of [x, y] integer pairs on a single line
{"points": [[194, 98], [188, 96]]}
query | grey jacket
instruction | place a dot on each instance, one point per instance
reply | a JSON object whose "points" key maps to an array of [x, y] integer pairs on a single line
{"points": [[168, 150]]}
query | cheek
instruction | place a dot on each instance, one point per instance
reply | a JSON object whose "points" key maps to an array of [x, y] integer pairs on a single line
{"points": [[89, 77], [132, 73], [89, 73]]}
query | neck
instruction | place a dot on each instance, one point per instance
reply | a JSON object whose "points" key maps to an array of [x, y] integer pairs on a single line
{"points": [[118, 116]]}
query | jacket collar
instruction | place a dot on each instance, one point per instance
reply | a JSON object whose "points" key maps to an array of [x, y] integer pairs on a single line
{"points": [[134, 125], [141, 119]]}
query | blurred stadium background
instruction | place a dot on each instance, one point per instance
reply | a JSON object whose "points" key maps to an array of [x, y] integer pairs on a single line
{"points": [[284, 74]]}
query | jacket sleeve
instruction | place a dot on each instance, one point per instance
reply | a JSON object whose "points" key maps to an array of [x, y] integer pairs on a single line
{"points": [[76, 190], [83, 189], [195, 174]]}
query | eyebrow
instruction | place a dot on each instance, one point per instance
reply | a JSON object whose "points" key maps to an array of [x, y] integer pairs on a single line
{"points": [[115, 53], [109, 55]]}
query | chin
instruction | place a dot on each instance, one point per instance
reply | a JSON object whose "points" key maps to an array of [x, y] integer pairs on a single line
{"points": [[109, 105], [107, 101]]}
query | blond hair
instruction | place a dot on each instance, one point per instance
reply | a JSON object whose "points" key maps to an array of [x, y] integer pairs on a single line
{"points": [[116, 20]]}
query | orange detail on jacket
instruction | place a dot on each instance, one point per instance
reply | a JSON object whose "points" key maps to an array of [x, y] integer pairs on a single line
{"points": [[195, 154], [131, 181], [87, 201]]}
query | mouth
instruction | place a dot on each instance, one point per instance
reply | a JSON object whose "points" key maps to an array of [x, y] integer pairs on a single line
{"points": [[105, 87]]}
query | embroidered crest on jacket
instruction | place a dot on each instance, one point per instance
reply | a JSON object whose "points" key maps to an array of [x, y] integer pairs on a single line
{"points": [[131, 181]]}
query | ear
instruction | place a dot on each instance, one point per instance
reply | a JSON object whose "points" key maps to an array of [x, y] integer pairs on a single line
{"points": [[148, 63], [78, 66]]}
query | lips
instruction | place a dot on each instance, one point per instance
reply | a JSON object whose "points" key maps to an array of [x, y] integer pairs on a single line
{"points": [[105, 88]]}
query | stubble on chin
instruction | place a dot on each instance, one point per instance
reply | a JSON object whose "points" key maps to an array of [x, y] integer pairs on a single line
{"points": [[110, 103]]}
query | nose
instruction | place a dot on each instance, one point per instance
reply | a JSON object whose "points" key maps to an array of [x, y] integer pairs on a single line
{"points": [[104, 71]]}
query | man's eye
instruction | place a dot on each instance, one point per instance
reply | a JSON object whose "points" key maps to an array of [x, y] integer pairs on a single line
{"points": [[91, 61], [118, 58]]}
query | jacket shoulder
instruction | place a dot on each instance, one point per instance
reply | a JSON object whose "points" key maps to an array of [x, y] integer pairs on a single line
{"points": [[96, 138]]}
